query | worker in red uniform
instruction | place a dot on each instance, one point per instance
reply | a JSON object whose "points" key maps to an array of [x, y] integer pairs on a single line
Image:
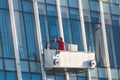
{"points": [[60, 44]]}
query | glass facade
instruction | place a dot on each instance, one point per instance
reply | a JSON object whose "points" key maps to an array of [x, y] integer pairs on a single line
{"points": [[98, 30]]}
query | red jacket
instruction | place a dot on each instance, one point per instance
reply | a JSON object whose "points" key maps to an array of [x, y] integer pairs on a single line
{"points": [[60, 44]]}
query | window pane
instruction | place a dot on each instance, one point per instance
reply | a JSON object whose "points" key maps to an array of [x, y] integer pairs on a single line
{"points": [[11, 76], [73, 3], [102, 73], [94, 5], [36, 77], [25, 76], [35, 67], [53, 31], [63, 2], [42, 9], [27, 6], [17, 5], [24, 66], [50, 1], [74, 13], [106, 8], [114, 9], [51, 10], [44, 30], [22, 45], [64, 12], [85, 4], [59, 78], [114, 73], [76, 34], [2, 75], [5, 34], [3, 4], [1, 64], [11, 65]]}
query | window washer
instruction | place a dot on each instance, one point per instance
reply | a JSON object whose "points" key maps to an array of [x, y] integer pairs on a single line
{"points": [[60, 44]]}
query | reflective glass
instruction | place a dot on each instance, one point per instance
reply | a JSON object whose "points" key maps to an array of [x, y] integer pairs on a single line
{"points": [[73, 3], [25, 76], [53, 31], [76, 37], [89, 37], [63, 2], [67, 32], [5, 34], [24, 66], [74, 13], [3, 4], [59, 77], [51, 10], [41, 0], [85, 4], [114, 9], [17, 5], [2, 75], [64, 12], [36, 77], [94, 5], [102, 72], [114, 73], [30, 35], [87, 17], [106, 8], [11, 65], [1, 64], [42, 8], [22, 45], [107, 19], [27, 6], [94, 73], [51, 1], [35, 67], [95, 17], [72, 76], [82, 74], [111, 46], [81, 78], [44, 30], [50, 77], [11, 76]]}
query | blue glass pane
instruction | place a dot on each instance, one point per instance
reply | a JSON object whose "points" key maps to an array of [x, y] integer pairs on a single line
{"points": [[43, 26], [35, 67], [50, 1], [51, 10], [24, 66], [59, 78], [53, 31], [3, 4], [95, 17], [5, 34], [17, 5], [115, 9], [66, 29], [111, 49], [25, 76], [30, 34], [11, 76], [89, 37], [2, 75], [36, 77], [1, 64], [27, 6], [73, 3], [50, 77], [22, 47], [94, 5], [76, 34], [81, 78], [74, 13], [11, 65]]}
